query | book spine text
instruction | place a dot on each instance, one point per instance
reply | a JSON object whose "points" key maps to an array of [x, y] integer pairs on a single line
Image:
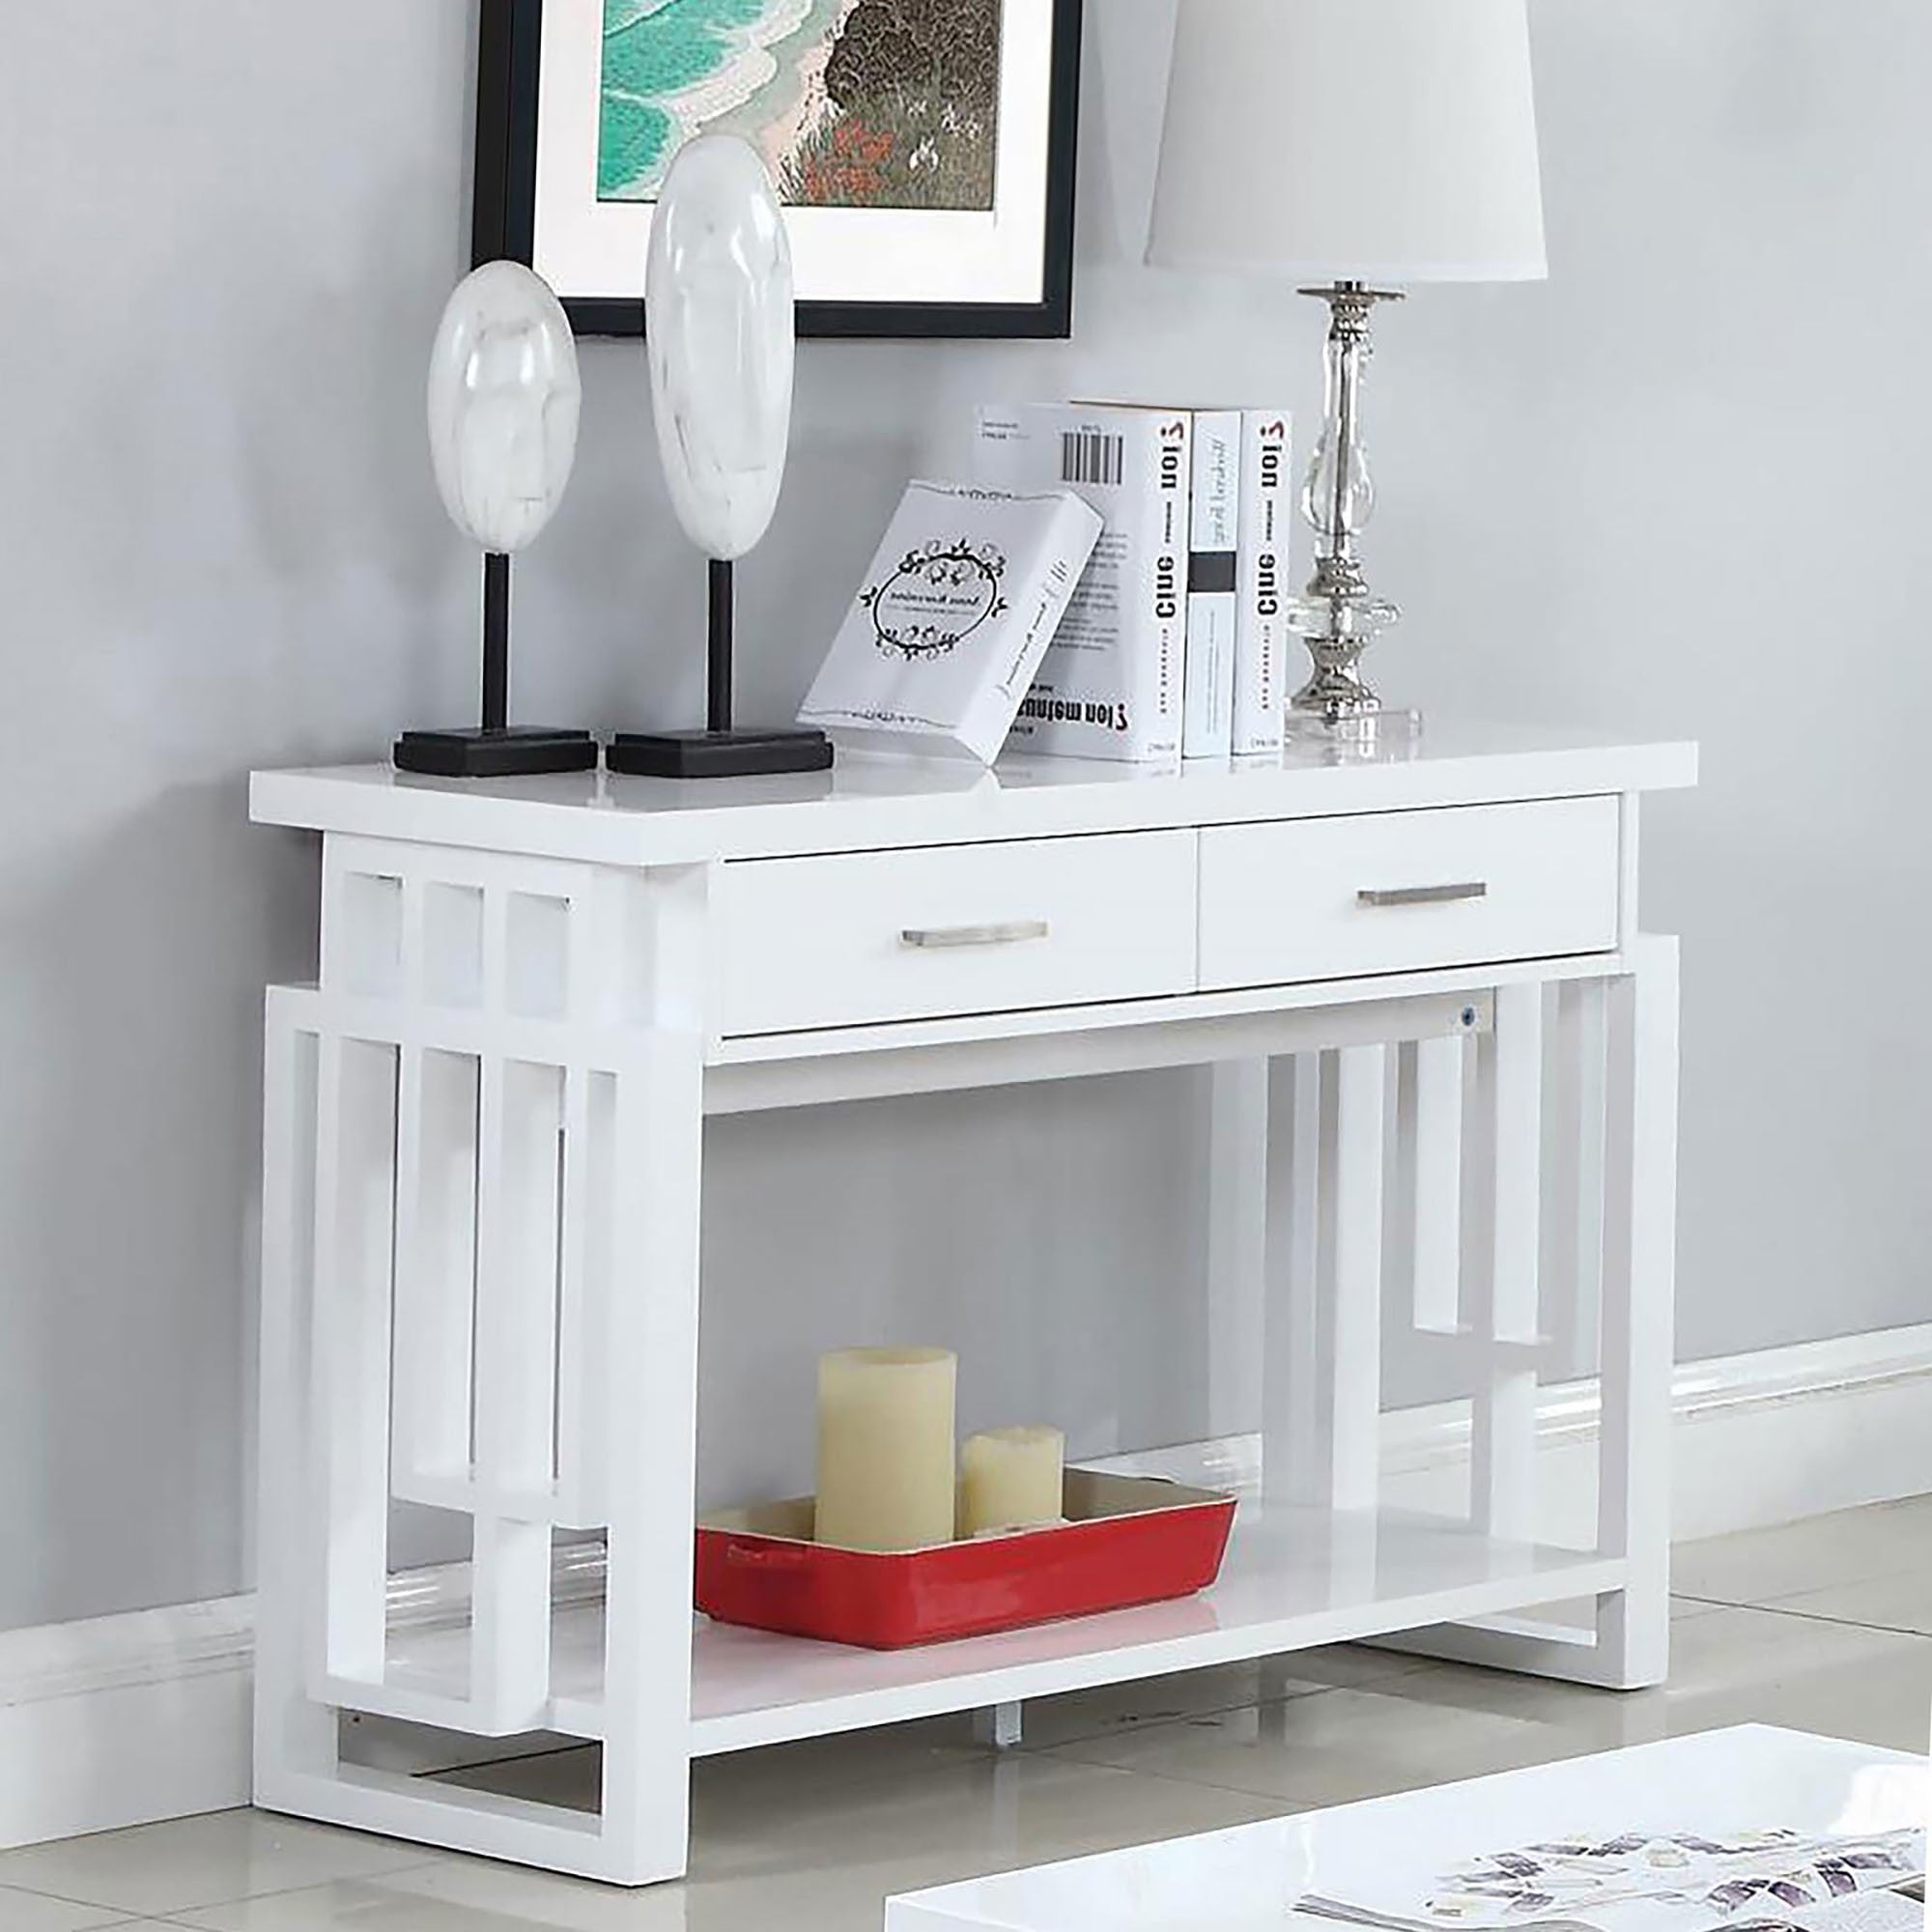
{"points": [[1263, 640]]}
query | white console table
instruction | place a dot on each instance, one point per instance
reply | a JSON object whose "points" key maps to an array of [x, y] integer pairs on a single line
{"points": [[1448, 1069]]}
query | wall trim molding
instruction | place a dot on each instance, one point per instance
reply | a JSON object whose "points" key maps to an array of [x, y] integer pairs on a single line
{"points": [[1758, 1440], [127, 1719], [124, 1719]]}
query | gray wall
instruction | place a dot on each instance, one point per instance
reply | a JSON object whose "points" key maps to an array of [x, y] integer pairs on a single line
{"points": [[1677, 491]]}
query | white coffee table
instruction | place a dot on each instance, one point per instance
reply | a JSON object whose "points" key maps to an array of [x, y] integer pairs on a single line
{"points": [[1560, 1845]]}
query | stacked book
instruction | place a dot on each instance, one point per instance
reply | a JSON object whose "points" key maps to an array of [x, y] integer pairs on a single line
{"points": [[941, 646], [1175, 642]]}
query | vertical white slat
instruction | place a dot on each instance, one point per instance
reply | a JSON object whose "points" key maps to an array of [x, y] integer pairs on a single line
{"points": [[294, 1736], [1502, 1499], [1355, 1369], [334, 952], [1237, 1180], [1585, 1246], [319, 1647], [525, 1449], [1629, 845], [1502, 1477], [580, 1315], [436, 1264], [1294, 1468], [516, 1337], [659, 1144], [1573, 1167], [509, 1664], [1438, 1184], [1318, 1486], [592, 946], [1399, 1132], [1502, 1492], [355, 1242], [1479, 1167], [1515, 1315], [652, 1359], [413, 1357], [1639, 1294]]}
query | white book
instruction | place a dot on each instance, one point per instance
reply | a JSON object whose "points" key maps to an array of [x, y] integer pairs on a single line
{"points": [[1263, 645], [945, 635], [1212, 582], [1112, 685]]}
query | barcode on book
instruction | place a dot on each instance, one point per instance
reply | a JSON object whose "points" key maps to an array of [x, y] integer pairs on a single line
{"points": [[1085, 456]]}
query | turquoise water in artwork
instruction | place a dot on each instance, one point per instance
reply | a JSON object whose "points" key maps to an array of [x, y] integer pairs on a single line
{"points": [[654, 48]]}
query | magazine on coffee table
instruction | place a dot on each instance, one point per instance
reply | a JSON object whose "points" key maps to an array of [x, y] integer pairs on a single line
{"points": [[1767, 1881]]}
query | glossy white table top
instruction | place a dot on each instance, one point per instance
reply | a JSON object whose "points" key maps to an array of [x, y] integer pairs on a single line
{"points": [[872, 803], [1429, 1858]]}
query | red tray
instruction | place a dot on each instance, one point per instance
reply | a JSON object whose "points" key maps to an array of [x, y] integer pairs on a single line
{"points": [[1128, 1540]]}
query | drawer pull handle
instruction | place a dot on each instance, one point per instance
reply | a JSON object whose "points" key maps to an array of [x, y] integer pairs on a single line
{"points": [[949, 938], [1426, 895]]}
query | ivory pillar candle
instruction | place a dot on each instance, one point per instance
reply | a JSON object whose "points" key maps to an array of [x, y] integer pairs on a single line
{"points": [[1011, 1479], [886, 1460]]}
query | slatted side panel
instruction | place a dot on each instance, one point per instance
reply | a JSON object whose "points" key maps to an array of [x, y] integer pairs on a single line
{"points": [[465, 1234], [1452, 1184]]}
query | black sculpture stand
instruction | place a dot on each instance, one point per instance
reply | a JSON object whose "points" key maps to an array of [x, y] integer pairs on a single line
{"points": [[497, 749], [719, 752]]}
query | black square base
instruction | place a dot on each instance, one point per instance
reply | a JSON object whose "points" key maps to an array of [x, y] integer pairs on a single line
{"points": [[718, 754], [521, 751]]}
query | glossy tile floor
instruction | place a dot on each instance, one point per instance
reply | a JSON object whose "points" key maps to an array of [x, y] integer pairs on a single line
{"points": [[1826, 1626]]}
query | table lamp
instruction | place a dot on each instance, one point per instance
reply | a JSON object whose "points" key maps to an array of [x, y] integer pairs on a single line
{"points": [[1357, 145]]}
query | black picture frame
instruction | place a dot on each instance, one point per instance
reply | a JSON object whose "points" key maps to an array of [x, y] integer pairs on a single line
{"points": [[503, 219]]}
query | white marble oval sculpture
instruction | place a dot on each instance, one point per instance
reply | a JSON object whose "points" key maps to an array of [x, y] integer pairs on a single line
{"points": [[504, 398], [721, 328]]}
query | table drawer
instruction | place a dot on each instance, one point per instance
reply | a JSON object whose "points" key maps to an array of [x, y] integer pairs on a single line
{"points": [[1331, 898], [865, 937]]}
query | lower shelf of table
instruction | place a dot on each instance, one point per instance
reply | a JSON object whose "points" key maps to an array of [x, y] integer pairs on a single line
{"points": [[1294, 1579]]}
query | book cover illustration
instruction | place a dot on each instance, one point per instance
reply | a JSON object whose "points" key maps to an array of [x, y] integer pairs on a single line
{"points": [[940, 595]]}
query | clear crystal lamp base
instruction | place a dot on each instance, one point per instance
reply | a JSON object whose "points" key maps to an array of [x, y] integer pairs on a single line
{"points": [[1339, 616], [1374, 726]]}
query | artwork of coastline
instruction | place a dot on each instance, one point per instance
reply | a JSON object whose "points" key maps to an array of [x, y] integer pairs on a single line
{"points": [[854, 103]]}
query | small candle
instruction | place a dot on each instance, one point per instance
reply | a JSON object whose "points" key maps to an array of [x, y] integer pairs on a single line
{"points": [[1011, 1479], [886, 1458]]}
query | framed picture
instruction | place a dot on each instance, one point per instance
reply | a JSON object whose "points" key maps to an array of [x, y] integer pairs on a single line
{"points": [[925, 149]]}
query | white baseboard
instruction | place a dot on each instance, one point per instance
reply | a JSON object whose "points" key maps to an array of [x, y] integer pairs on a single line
{"points": [[124, 1719], [1756, 1439], [128, 1719]]}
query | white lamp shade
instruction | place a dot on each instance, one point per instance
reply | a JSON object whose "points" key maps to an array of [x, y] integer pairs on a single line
{"points": [[1353, 140]]}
